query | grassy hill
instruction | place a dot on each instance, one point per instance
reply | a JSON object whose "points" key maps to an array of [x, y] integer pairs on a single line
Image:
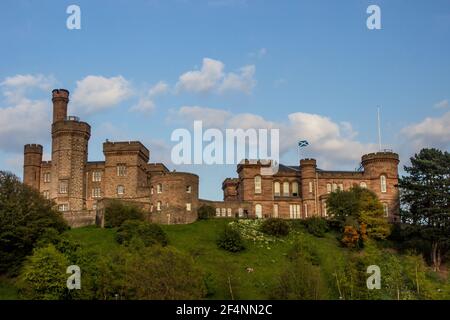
{"points": [[251, 274]]}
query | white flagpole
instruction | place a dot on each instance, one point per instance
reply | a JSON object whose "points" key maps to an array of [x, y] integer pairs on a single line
{"points": [[379, 129]]}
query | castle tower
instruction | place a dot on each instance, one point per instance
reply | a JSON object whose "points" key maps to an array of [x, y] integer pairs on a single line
{"points": [[308, 185], [229, 187], [32, 165], [381, 172], [69, 155]]}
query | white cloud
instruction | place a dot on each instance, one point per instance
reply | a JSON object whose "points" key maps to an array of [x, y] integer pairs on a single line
{"points": [[96, 93], [430, 132], [333, 144], [158, 89], [23, 120], [212, 78], [146, 103], [442, 104]]}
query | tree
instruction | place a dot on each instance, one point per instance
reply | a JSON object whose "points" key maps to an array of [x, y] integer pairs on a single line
{"points": [[117, 212], [425, 197], [360, 209], [25, 215], [148, 233], [44, 275]]}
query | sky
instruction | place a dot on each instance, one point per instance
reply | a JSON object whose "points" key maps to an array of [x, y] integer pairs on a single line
{"points": [[312, 69]]}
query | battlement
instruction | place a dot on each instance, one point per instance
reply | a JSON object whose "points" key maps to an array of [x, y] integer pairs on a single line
{"points": [[229, 182], [307, 162], [126, 146], [60, 94], [33, 148], [380, 156], [72, 125]]}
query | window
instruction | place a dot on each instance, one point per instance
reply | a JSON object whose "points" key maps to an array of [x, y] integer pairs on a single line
{"points": [[276, 189], [241, 212], [217, 212], [294, 211], [63, 207], [275, 210], [341, 187], [188, 207], [158, 206], [96, 176], [324, 206], [46, 194], [188, 189], [151, 207], [120, 190], [224, 212], [121, 170], [334, 187], [258, 184], [328, 187], [310, 186], [306, 210], [383, 183], [63, 187], [386, 209], [286, 189], [159, 188], [96, 193], [151, 190], [47, 177], [363, 185], [294, 189], [94, 206], [229, 212], [258, 211]]}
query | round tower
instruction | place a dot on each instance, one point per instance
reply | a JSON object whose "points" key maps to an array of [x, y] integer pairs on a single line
{"points": [[70, 139], [381, 172], [32, 165], [308, 182], [60, 99]]}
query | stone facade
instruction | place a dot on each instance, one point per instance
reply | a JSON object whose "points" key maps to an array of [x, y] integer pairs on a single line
{"points": [[298, 192], [80, 188]]}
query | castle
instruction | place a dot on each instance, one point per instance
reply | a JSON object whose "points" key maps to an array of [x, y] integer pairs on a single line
{"points": [[81, 189]]}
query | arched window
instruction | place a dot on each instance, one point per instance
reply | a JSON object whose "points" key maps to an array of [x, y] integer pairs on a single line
{"points": [[158, 206], [286, 189], [385, 209], [294, 189], [328, 187], [120, 190], [276, 189], [258, 184], [383, 183], [258, 210], [363, 185], [334, 187], [151, 190], [159, 188]]}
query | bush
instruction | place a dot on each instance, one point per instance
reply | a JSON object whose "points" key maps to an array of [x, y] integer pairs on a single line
{"points": [[230, 239], [275, 227], [117, 212], [24, 216], [316, 226], [206, 212], [148, 233]]}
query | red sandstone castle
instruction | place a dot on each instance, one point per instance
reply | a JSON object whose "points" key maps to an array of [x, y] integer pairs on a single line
{"points": [[80, 188]]}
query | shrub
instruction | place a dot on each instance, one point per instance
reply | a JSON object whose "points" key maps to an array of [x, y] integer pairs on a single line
{"points": [[275, 227], [148, 233], [316, 226], [230, 239], [116, 212], [206, 212]]}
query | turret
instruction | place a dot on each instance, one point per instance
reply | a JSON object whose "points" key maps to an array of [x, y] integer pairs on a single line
{"points": [[32, 165], [308, 185], [60, 99]]}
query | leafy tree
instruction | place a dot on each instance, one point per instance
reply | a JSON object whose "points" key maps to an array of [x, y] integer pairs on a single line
{"points": [[316, 226], [117, 212], [206, 212], [44, 275], [148, 233], [360, 209], [425, 196], [25, 215]]}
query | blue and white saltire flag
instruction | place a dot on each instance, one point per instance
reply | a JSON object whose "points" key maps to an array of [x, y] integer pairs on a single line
{"points": [[303, 143]]}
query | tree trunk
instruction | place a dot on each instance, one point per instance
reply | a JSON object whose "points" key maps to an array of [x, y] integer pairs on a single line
{"points": [[436, 256]]}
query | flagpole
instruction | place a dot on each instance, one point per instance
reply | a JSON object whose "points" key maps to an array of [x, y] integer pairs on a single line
{"points": [[379, 129]]}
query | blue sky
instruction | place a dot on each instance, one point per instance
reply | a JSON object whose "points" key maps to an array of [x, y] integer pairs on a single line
{"points": [[138, 70]]}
